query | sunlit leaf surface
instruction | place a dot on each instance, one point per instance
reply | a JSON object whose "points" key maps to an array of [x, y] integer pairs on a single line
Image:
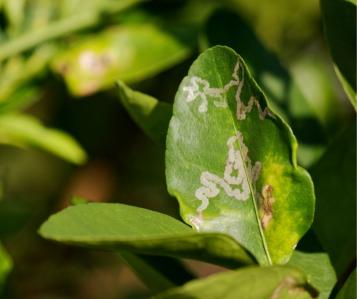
{"points": [[231, 162], [129, 52], [24, 130]]}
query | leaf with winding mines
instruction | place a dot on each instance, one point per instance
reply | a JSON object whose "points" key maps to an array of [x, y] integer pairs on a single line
{"points": [[231, 162]]}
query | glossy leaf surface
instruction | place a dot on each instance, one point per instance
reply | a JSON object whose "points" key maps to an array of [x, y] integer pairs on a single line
{"points": [[249, 283], [25, 130], [151, 115], [118, 226], [335, 184], [129, 52], [231, 162]]}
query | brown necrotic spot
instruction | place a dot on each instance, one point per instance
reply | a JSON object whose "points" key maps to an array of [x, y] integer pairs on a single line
{"points": [[266, 205]]}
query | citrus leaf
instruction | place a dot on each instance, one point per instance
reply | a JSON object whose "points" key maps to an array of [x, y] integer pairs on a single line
{"points": [[318, 269], [129, 52], [248, 283], [231, 162], [348, 290], [151, 115], [118, 227], [339, 18], [25, 130], [5, 266], [335, 185]]}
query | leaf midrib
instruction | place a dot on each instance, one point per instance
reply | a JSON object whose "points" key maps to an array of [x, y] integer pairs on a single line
{"points": [[265, 246]]}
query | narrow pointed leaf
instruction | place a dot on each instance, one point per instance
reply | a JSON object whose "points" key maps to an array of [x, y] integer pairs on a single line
{"points": [[151, 115], [231, 162], [318, 268], [339, 17], [348, 290], [248, 283], [335, 184], [118, 226], [24, 130]]}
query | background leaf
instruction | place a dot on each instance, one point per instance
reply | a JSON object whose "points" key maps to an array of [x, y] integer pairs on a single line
{"points": [[5, 266], [318, 269], [231, 162], [151, 115], [348, 290], [118, 226], [247, 283], [129, 52], [339, 17], [335, 180], [89, 16], [25, 130]]}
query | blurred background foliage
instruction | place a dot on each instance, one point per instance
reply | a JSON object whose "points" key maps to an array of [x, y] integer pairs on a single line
{"points": [[64, 132]]}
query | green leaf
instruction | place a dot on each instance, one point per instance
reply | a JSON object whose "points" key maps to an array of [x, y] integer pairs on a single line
{"points": [[335, 185], [20, 99], [15, 12], [5, 266], [318, 268], [248, 283], [118, 226], [18, 71], [157, 273], [231, 162], [313, 75], [87, 17], [129, 52], [350, 92], [339, 17], [25, 130], [151, 115], [348, 290]]}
